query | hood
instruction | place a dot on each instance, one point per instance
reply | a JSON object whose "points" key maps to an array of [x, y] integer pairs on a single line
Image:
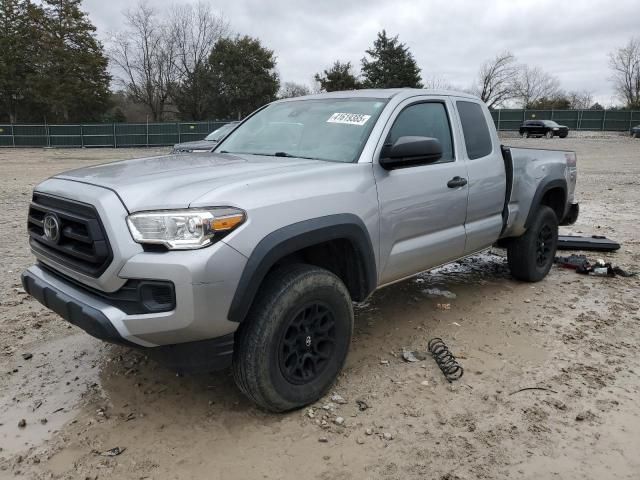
{"points": [[175, 181], [195, 145]]}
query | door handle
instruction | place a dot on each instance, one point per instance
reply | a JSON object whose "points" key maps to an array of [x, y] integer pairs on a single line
{"points": [[456, 182]]}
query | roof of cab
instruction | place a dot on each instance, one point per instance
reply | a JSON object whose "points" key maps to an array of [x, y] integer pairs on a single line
{"points": [[383, 93]]}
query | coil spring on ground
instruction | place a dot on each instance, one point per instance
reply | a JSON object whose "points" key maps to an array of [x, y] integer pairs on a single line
{"points": [[444, 358]]}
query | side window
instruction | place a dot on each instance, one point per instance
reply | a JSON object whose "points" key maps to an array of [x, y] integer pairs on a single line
{"points": [[424, 120], [474, 127]]}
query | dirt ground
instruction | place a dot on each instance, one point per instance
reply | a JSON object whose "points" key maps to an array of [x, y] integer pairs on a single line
{"points": [[576, 336]]}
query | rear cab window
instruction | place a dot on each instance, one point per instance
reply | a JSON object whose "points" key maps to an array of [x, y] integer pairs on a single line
{"points": [[477, 137]]}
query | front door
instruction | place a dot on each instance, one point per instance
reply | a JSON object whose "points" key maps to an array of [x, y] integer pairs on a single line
{"points": [[422, 212]]}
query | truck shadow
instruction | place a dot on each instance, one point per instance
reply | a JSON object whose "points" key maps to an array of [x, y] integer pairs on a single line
{"points": [[137, 386]]}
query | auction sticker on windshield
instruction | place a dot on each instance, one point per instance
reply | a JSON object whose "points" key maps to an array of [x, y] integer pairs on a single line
{"points": [[349, 118]]}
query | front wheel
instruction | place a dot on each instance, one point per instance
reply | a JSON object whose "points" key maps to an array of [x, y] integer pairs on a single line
{"points": [[295, 340], [530, 256]]}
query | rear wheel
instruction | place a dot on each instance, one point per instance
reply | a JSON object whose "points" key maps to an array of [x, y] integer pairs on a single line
{"points": [[530, 256], [295, 339]]}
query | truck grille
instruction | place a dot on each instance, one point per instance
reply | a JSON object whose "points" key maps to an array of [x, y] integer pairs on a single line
{"points": [[69, 233]]}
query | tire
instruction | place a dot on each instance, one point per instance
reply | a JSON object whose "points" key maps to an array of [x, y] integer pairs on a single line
{"points": [[295, 339], [549, 134], [530, 256], [563, 135]]}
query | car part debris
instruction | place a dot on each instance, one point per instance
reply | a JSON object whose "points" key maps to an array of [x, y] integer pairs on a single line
{"points": [[594, 242], [451, 369], [581, 264], [114, 452]]}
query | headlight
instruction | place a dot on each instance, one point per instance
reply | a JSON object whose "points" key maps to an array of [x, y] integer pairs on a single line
{"points": [[184, 229], [556, 128]]}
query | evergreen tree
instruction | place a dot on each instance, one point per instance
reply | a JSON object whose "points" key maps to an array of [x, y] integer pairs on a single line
{"points": [[19, 51], [338, 77], [73, 81], [391, 65], [243, 76]]}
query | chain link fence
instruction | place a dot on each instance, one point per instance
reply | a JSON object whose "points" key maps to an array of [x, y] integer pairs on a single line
{"points": [[602, 120], [105, 134], [163, 134]]}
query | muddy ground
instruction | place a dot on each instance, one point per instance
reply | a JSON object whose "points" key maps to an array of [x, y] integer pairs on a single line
{"points": [[576, 336]]}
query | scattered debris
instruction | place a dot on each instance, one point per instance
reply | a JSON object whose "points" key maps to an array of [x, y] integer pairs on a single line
{"points": [[360, 441], [532, 388], [27, 356], [323, 439], [368, 431], [581, 264], [412, 356], [114, 452], [384, 362], [437, 292], [339, 399], [387, 436], [339, 421], [362, 405], [22, 423]]}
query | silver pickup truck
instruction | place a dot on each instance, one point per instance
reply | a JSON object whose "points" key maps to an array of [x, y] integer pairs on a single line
{"points": [[251, 256]]}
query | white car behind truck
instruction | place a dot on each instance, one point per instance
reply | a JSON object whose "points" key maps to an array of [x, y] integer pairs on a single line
{"points": [[251, 256]]}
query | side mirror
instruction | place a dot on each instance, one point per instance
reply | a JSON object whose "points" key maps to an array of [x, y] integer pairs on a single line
{"points": [[410, 151]]}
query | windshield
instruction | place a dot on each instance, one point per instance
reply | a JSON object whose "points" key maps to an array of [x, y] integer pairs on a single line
{"points": [[329, 129], [219, 133], [549, 123]]}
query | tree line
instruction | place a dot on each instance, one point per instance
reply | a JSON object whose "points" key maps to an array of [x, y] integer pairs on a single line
{"points": [[186, 63]]}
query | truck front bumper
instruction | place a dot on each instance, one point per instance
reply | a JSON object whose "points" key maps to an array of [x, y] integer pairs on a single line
{"points": [[96, 317], [194, 335]]}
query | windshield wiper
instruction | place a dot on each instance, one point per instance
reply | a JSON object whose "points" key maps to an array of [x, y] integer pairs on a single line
{"points": [[276, 154]]}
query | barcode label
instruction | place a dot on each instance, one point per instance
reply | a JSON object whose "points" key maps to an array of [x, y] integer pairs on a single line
{"points": [[349, 118]]}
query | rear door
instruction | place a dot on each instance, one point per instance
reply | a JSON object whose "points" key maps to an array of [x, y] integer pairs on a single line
{"points": [[421, 217], [486, 175]]}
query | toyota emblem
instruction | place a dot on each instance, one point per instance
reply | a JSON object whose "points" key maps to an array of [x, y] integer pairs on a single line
{"points": [[51, 226]]}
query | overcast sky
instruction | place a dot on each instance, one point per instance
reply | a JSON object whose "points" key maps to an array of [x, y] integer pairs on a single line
{"points": [[449, 39]]}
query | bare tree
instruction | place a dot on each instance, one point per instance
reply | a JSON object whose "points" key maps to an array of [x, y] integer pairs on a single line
{"points": [[291, 89], [496, 81], [625, 63], [435, 82], [194, 30], [144, 56], [580, 100], [533, 84]]}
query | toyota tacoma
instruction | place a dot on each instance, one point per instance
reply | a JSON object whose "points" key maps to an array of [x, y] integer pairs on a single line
{"points": [[252, 256]]}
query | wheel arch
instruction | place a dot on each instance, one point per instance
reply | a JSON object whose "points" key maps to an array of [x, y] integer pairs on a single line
{"points": [[552, 193], [340, 243]]}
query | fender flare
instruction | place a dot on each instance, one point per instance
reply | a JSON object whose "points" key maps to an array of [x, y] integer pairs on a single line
{"points": [[289, 239], [542, 189]]}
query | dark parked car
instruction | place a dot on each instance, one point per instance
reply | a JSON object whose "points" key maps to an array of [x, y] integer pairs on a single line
{"points": [[208, 143], [543, 128], [635, 131]]}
